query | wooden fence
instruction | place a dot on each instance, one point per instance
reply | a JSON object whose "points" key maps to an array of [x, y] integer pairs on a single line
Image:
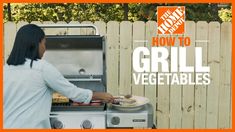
{"points": [[175, 106]]}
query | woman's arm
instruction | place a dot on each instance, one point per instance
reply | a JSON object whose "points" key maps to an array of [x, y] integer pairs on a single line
{"points": [[106, 97], [55, 80]]}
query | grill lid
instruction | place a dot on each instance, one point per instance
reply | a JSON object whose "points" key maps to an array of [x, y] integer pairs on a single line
{"points": [[80, 58], [76, 55]]}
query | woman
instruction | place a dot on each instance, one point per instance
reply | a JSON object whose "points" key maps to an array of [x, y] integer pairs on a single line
{"points": [[29, 83]]}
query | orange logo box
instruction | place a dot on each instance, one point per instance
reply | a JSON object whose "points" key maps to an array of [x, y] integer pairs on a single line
{"points": [[171, 19]]}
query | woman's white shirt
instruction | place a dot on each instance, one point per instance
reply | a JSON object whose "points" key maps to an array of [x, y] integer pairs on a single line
{"points": [[28, 93]]}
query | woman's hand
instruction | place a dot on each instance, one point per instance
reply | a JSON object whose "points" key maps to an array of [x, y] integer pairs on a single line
{"points": [[105, 97]]}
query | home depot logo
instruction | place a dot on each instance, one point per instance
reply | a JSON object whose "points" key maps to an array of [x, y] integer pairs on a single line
{"points": [[171, 19]]}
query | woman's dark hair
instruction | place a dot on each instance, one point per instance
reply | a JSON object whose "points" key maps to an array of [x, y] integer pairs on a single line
{"points": [[26, 45]]}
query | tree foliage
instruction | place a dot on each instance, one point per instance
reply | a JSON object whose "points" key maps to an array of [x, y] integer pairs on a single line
{"points": [[108, 12], [225, 15]]}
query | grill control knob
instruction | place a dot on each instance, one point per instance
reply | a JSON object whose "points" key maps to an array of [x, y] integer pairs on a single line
{"points": [[115, 120], [56, 124], [86, 124]]}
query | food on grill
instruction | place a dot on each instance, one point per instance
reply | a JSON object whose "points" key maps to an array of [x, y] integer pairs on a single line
{"points": [[79, 104], [95, 104], [83, 104], [59, 98], [75, 104], [92, 103]]}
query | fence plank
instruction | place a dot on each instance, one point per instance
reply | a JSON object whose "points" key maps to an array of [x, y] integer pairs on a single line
{"points": [[213, 62], [36, 22], [112, 57], [176, 97], [101, 27], [163, 98], [9, 38], [225, 74], [138, 34], [200, 90], [20, 24], [125, 57], [188, 90], [150, 90]]}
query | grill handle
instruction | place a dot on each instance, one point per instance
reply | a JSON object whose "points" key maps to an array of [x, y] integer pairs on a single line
{"points": [[84, 79], [71, 26]]}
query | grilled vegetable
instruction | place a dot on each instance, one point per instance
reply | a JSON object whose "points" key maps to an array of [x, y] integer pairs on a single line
{"points": [[59, 98]]}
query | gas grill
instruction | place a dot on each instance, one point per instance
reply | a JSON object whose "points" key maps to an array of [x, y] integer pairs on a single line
{"points": [[81, 60]]}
